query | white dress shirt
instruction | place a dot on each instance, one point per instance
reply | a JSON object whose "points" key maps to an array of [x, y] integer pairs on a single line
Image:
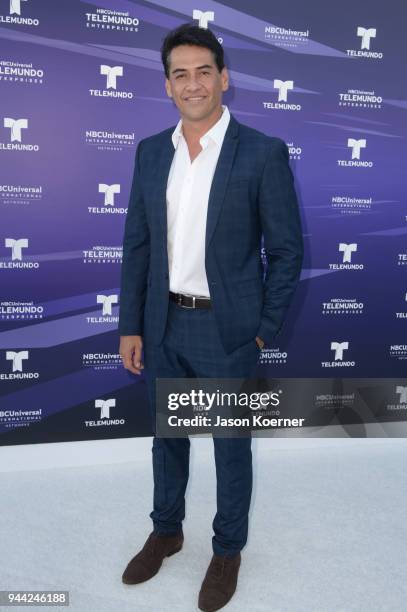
{"points": [[188, 190]]}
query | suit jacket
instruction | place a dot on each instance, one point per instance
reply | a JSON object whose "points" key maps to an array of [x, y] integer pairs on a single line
{"points": [[252, 194]]}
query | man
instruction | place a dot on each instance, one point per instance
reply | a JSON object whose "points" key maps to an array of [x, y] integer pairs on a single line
{"points": [[193, 296]]}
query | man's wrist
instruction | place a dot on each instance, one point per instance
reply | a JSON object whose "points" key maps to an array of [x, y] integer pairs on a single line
{"points": [[260, 342]]}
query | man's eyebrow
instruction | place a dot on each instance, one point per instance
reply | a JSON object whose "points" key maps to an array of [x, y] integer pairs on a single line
{"points": [[197, 68]]}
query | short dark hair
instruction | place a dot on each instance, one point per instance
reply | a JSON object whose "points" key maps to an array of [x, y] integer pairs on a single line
{"points": [[191, 34]]}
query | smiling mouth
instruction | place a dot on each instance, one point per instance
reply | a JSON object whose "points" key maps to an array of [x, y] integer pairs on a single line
{"points": [[195, 98]]}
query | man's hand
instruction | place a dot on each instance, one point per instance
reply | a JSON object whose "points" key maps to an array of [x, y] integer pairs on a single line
{"points": [[130, 352], [260, 342]]}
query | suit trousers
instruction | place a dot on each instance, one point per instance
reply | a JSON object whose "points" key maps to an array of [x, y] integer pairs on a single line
{"points": [[192, 348]]}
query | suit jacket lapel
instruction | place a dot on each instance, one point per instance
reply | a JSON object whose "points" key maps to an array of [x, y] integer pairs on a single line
{"points": [[219, 182], [164, 160], [221, 177]]}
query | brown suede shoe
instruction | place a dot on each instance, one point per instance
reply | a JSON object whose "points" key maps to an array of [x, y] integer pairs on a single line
{"points": [[219, 583], [148, 561]]}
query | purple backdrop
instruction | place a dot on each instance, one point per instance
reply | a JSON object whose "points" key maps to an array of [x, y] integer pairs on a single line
{"points": [[81, 83]]}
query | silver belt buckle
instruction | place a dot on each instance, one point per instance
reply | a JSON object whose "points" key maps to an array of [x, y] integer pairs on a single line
{"points": [[193, 302]]}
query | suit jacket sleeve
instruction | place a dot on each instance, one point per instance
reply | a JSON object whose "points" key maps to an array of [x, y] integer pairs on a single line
{"points": [[136, 258], [282, 234]]}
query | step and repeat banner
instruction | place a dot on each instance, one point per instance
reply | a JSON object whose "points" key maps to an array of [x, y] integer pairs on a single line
{"points": [[81, 83]]}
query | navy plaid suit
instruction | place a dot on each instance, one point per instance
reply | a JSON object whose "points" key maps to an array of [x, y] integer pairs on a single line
{"points": [[252, 194]]}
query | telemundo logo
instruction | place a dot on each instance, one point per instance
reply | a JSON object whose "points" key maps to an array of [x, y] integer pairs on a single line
{"points": [[112, 74], [283, 88], [17, 360], [109, 192], [356, 146], [16, 135], [339, 349], [16, 246], [15, 18], [347, 250], [104, 406], [366, 36]]}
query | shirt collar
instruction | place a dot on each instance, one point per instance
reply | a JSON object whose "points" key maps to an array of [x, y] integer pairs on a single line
{"points": [[216, 133]]}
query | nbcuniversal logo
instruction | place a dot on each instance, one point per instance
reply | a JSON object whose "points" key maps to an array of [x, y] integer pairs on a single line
{"points": [[109, 19]]}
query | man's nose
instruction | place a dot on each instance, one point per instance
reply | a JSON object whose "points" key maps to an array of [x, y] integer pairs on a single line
{"points": [[193, 84]]}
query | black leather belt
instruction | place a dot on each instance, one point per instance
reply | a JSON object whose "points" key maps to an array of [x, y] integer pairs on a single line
{"points": [[190, 301]]}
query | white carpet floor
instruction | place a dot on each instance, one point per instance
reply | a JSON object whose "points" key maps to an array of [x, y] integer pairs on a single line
{"points": [[328, 531]]}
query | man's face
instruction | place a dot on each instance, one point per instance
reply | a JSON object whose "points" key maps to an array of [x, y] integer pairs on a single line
{"points": [[195, 83]]}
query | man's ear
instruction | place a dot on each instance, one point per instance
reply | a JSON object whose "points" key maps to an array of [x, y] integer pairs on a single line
{"points": [[168, 88], [225, 79]]}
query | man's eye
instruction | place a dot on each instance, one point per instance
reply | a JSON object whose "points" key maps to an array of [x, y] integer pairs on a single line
{"points": [[205, 72], [180, 76]]}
